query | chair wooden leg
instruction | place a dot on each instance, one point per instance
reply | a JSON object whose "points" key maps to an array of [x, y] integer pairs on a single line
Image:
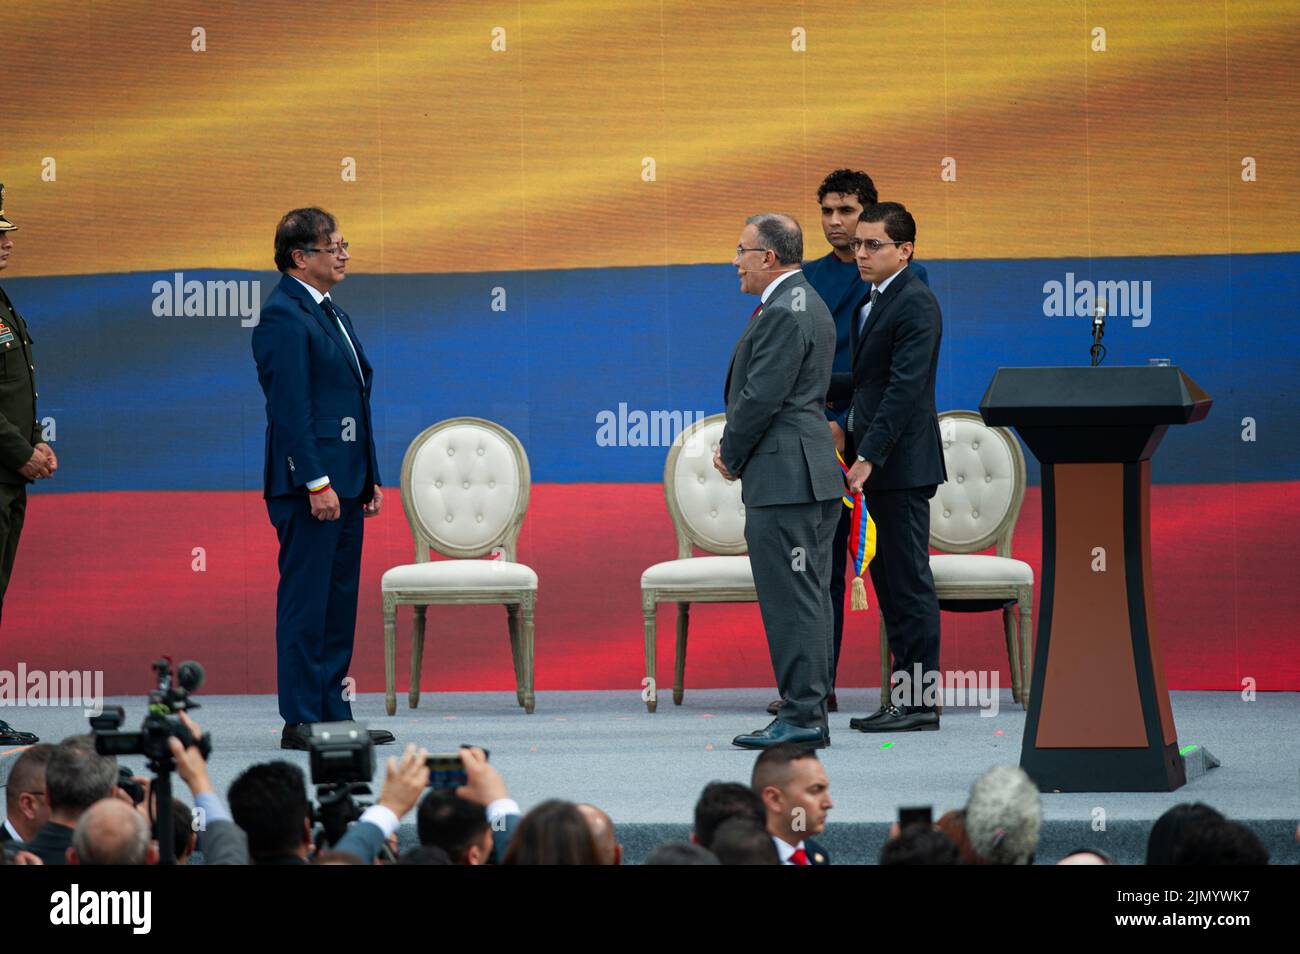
{"points": [[417, 654], [512, 623], [1013, 652], [649, 688], [1026, 632], [886, 676], [679, 671], [390, 653], [526, 640]]}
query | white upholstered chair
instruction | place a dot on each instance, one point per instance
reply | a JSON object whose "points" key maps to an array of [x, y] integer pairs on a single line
{"points": [[977, 507], [707, 513], [465, 486]]}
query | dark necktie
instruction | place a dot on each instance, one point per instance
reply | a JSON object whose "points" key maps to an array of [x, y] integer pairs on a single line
{"points": [[862, 321], [335, 315]]}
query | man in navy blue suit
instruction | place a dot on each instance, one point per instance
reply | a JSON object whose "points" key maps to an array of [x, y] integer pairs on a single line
{"points": [[322, 474]]}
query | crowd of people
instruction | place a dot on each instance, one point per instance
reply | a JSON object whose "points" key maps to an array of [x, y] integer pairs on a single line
{"points": [[68, 804]]}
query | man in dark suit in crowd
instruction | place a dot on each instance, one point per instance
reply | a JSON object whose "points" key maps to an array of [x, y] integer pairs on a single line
{"points": [[893, 429], [27, 803], [842, 196], [76, 777], [796, 794], [24, 456], [322, 474], [777, 443]]}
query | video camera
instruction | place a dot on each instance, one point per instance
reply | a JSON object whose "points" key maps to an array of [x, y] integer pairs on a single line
{"points": [[342, 764], [171, 697]]}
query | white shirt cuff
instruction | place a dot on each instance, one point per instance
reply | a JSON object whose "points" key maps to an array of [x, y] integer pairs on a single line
{"points": [[501, 808], [383, 818], [318, 483]]}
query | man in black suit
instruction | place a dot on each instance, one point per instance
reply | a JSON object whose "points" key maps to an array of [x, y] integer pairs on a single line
{"points": [[893, 431], [796, 795], [27, 804], [76, 777], [322, 473]]}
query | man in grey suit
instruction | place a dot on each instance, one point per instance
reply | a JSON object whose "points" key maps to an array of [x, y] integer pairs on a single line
{"points": [[776, 441]]}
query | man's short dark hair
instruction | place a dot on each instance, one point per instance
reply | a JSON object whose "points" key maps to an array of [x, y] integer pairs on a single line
{"points": [[898, 222], [850, 182], [301, 228], [681, 853], [721, 801], [919, 845], [425, 855], [451, 823], [781, 234], [775, 762], [76, 776], [269, 802], [1171, 827], [1220, 843], [28, 772], [741, 841]]}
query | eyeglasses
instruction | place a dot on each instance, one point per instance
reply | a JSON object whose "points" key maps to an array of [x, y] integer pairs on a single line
{"points": [[741, 250], [330, 250], [872, 245]]}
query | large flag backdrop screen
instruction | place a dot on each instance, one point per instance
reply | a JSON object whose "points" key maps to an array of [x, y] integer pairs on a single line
{"points": [[542, 199]]}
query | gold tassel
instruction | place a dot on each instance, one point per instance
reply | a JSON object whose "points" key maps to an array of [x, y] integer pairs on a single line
{"points": [[859, 599]]}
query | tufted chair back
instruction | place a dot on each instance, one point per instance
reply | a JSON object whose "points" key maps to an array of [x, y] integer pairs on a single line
{"points": [[706, 509], [465, 486], [978, 505]]}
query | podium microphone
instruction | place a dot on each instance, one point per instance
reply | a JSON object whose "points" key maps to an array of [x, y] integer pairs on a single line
{"points": [[1098, 350]]}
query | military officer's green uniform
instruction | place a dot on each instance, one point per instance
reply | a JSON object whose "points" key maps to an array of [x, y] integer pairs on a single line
{"points": [[19, 429]]}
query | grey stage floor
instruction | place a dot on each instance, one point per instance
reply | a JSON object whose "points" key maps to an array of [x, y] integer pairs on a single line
{"points": [[646, 770]]}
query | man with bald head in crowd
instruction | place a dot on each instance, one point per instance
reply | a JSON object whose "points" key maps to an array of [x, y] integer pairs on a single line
{"points": [[27, 806], [602, 833], [796, 794], [111, 832]]}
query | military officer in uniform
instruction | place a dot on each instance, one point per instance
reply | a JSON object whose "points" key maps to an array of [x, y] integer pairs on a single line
{"points": [[24, 457]]}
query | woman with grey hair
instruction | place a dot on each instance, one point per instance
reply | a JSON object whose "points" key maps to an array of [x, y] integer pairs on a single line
{"points": [[1003, 816]]}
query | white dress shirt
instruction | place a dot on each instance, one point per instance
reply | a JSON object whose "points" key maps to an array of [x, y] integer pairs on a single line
{"points": [[767, 292]]}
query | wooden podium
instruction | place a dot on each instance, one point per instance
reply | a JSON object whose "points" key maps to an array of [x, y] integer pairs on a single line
{"points": [[1099, 717]]}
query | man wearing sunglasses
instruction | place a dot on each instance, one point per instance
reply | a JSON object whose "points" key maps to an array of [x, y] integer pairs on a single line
{"points": [[893, 432], [322, 473]]}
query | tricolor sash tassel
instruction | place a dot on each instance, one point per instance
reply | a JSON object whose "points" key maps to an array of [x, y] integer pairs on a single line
{"points": [[862, 541]]}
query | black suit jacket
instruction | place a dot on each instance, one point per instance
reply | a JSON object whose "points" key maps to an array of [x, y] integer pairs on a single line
{"points": [[51, 844], [895, 361], [817, 855]]}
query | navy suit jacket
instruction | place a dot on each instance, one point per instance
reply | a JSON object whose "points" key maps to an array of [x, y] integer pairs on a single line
{"points": [[317, 404], [895, 363]]}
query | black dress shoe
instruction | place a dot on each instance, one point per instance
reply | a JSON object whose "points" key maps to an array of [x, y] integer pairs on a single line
{"points": [[11, 736], [381, 736], [859, 722], [896, 720], [295, 736], [780, 732]]}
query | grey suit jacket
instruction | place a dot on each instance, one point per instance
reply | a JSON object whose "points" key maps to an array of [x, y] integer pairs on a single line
{"points": [[776, 439], [224, 843]]}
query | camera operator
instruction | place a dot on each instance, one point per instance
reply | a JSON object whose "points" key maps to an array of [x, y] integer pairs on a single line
{"points": [[269, 802], [221, 841]]}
